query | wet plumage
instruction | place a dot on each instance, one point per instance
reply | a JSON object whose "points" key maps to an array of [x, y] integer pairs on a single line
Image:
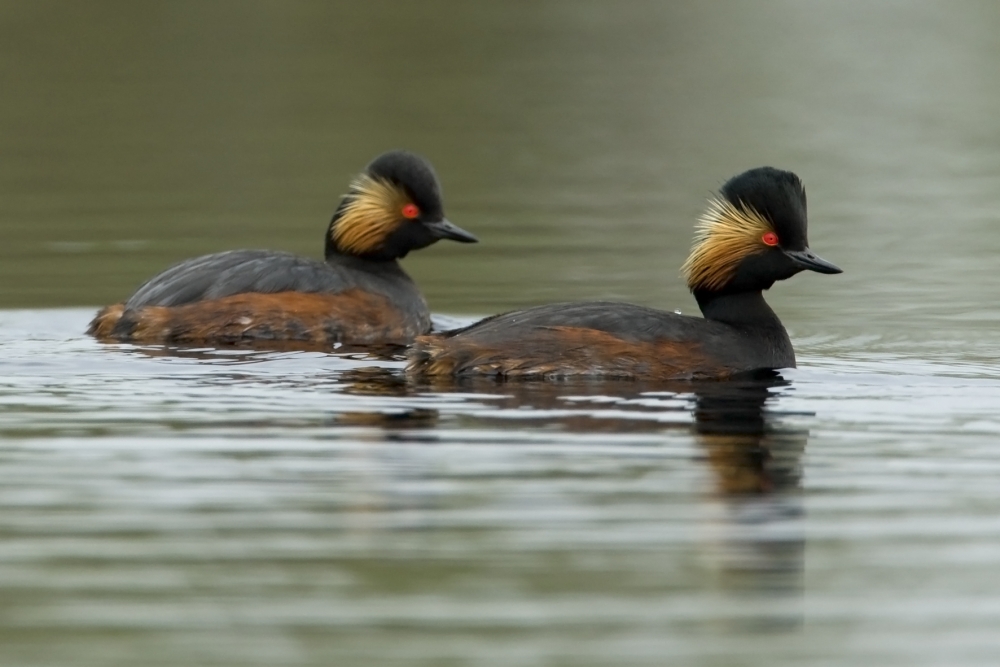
{"points": [[358, 295], [752, 236]]}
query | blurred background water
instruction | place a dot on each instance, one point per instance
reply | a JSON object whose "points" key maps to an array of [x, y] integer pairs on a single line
{"points": [[213, 507]]}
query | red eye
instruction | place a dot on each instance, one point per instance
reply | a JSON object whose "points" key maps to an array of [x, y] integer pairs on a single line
{"points": [[769, 238], [410, 211]]}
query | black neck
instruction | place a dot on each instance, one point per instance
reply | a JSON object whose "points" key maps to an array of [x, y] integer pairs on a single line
{"points": [[388, 254], [332, 253], [381, 266], [330, 249], [739, 309]]}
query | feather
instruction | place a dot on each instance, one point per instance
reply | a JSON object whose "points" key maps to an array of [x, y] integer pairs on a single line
{"points": [[724, 236]]}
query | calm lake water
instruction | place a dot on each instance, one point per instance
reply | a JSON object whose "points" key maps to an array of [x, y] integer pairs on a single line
{"points": [[225, 507]]}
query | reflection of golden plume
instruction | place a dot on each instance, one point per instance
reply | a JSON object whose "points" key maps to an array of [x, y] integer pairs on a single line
{"points": [[724, 236], [373, 212]]}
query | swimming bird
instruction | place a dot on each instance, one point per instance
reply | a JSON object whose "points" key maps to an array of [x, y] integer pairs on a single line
{"points": [[751, 235], [358, 295]]}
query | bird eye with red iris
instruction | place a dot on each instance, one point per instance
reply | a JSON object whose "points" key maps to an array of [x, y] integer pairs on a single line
{"points": [[410, 211], [769, 238]]}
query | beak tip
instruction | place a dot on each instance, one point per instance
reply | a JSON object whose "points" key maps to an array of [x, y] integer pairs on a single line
{"points": [[827, 268], [445, 229], [805, 259]]}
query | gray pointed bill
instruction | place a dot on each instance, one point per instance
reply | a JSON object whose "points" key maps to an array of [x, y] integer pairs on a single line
{"points": [[445, 229], [810, 261]]}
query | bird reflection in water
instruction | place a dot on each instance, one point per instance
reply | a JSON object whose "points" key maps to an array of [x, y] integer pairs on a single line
{"points": [[380, 382], [749, 538], [756, 538], [753, 545]]}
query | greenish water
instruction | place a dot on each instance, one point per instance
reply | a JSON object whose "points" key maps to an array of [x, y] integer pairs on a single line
{"points": [[166, 507]]}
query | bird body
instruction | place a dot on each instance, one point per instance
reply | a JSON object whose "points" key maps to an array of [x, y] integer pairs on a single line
{"points": [[751, 236], [358, 295]]}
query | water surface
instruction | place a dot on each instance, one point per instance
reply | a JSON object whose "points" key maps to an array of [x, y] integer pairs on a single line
{"points": [[240, 507]]}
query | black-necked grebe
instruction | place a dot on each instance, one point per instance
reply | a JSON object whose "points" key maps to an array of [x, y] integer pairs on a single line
{"points": [[750, 236], [359, 295]]}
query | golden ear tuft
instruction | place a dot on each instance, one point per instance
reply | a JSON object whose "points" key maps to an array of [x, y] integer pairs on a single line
{"points": [[370, 216], [724, 236]]}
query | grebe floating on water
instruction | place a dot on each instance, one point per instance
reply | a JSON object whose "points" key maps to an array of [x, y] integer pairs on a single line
{"points": [[359, 295], [751, 236]]}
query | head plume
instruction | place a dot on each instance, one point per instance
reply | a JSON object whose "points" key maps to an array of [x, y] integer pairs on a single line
{"points": [[726, 234], [368, 215], [394, 207]]}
